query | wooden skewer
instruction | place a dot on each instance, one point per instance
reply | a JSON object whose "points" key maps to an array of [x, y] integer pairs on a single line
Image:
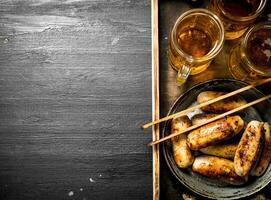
{"points": [[211, 120], [182, 113]]}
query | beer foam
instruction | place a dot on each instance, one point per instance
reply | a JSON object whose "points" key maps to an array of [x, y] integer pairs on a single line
{"points": [[267, 52], [268, 41]]}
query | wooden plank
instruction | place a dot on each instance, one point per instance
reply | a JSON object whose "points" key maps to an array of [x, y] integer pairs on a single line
{"points": [[75, 85], [155, 98]]}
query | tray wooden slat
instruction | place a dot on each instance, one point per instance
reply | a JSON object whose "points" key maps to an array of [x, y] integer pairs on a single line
{"points": [[155, 98]]}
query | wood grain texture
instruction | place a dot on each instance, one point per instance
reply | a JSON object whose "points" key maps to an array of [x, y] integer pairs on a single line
{"points": [[155, 101], [75, 86]]}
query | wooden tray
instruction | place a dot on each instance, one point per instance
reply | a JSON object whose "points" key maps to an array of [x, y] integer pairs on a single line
{"points": [[165, 90]]}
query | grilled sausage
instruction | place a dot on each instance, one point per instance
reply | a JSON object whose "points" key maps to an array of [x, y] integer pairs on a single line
{"points": [[222, 105], [181, 152], [266, 153], [221, 150], [218, 168], [179, 124], [248, 148], [215, 132], [201, 118]]}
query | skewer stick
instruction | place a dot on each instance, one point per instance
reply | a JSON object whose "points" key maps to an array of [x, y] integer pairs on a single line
{"points": [[211, 120], [182, 113]]}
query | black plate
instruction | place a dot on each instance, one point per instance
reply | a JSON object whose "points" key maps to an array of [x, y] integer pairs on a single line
{"points": [[214, 188]]}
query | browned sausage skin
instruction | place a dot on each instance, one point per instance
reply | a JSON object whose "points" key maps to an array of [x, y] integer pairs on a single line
{"points": [[181, 152], [248, 148], [215, 132], [266, 153], [218, 168], [201, 118], [220, 106], [179, 124], [221, 150]]}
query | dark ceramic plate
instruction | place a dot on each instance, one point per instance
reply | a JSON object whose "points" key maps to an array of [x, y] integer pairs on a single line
{"points": [[214, 188]]}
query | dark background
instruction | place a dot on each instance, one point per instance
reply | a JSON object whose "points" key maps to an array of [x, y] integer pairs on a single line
{"points": [[75, 86]]}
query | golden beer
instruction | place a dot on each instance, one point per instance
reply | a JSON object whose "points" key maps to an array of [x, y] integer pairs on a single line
{"points": [[237, 15], [194, 42], [251, 59], [196, 38]]}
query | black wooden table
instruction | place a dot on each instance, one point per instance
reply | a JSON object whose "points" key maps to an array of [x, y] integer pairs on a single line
{"points": [[75, 86]]}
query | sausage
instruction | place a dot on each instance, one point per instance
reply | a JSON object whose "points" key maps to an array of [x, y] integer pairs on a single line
{"points": [[179, 124], [266, 153], [248, 148], [201, 118], [222, 105], [181, 152], [221, 150], [218, 168], [215, 132]]}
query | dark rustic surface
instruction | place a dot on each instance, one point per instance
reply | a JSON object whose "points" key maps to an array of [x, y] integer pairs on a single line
{"points": [[75, 84]]}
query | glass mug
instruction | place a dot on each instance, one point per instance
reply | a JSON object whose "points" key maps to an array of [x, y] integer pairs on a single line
{"points": [[250, 60], [196, 38], [237, 15]]}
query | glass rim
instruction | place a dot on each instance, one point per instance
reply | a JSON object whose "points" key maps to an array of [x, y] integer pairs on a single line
{"points": [[244, 43], [257, 12], [215, 49]]}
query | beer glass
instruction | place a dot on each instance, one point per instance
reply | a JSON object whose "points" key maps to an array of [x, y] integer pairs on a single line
{"points": [[196, 38], [250, 60], [237, 15]]}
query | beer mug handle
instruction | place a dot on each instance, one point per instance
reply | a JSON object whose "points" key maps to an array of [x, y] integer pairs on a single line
{"points": [[183, 73]]}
